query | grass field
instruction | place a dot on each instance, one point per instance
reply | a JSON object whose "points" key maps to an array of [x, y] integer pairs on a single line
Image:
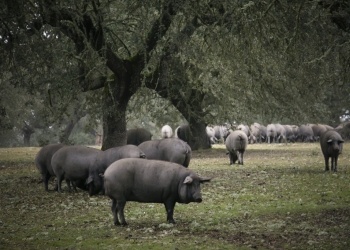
{"points": [[280, 199]]}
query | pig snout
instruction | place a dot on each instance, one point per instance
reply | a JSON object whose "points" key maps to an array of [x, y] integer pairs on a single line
{"points": [[199, 200], [336, 148], [197, 197]]}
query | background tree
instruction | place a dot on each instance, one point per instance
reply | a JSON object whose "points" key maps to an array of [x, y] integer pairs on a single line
{"points": [[215, 61]]}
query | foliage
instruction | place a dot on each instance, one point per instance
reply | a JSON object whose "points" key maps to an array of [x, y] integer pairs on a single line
{"points": [[281, 198], [147, 109], [215, 61]]}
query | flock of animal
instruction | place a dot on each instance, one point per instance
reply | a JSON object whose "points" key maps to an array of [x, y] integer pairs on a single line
{"points": [[156, 171], [330, 140], [236, 140]]}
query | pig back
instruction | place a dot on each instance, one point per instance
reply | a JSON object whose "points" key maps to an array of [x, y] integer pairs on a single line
{"points": [[111, 155], [73, 160], [170, 149]]}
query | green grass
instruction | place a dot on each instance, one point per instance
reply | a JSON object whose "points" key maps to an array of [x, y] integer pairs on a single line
{"points": [[281, 198]]}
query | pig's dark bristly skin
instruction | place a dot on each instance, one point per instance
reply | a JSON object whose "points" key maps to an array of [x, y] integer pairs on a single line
{"points": [[150, 181], [106, 158], [137, 136], [72, 163], [331, 146], [84, 166], [170, 149], [43, 161]]}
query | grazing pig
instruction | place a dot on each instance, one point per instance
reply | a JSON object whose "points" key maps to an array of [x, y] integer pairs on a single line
{"points": [[271, 133], [150, 181], [255, 132], [106, 158], [221, 132], [306, 134], [167, 132], [236, 144], [137, 135], [289, 133], [171, 149], [281, 134], [85, 165], [211, 134], [244, 128], [331, 145], [43, 161], [183, 132], [72, 163]]}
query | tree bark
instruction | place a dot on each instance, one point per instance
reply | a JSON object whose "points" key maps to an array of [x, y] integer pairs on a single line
{"points": [[114, 117], [27, 133]]}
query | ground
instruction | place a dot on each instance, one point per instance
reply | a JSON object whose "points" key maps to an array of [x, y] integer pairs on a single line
{"points": [[280, 199]]}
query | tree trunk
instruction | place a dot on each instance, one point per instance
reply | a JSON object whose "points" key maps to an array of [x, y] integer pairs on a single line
{"points": [[27, 133], [64, 135], [26, 139], [198, 136], [114, 118], [189, 104]]}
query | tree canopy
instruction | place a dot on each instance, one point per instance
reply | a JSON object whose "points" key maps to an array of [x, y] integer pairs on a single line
{"points": [[214, 61]]}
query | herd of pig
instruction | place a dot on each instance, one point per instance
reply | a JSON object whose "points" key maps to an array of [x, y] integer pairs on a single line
{"points": [[152, 171], [330, 140], [123, 174]]}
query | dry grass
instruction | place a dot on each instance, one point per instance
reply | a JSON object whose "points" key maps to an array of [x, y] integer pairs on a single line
{"points": [[280, 199]]}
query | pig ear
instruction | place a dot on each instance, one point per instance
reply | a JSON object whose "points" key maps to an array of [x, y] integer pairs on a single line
{"points": [[329, 141], [341, 141], [204, 179], [188, 180], [89, 180]]}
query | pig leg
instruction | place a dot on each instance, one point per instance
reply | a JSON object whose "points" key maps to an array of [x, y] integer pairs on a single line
{"points": [[230, 156], [120, 209], [169, 207], [68, 184], [233, 158], [114, 211], [240, 157], [74, 186], [46, 178], [326, 159], [59, 182], [335, 163]]}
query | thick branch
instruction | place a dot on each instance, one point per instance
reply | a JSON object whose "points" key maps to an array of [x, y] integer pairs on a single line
{"points": [[159, 28], [340, 11]]}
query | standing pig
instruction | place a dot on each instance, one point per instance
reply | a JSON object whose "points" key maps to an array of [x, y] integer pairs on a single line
{"points": [[236, 144], [43, 161], [331, 145], [136, 136], [167, 132], [211, 134], [85, 165], [72, 164], [271, 133], [106, 158], [171, 149], [150, 181]]}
